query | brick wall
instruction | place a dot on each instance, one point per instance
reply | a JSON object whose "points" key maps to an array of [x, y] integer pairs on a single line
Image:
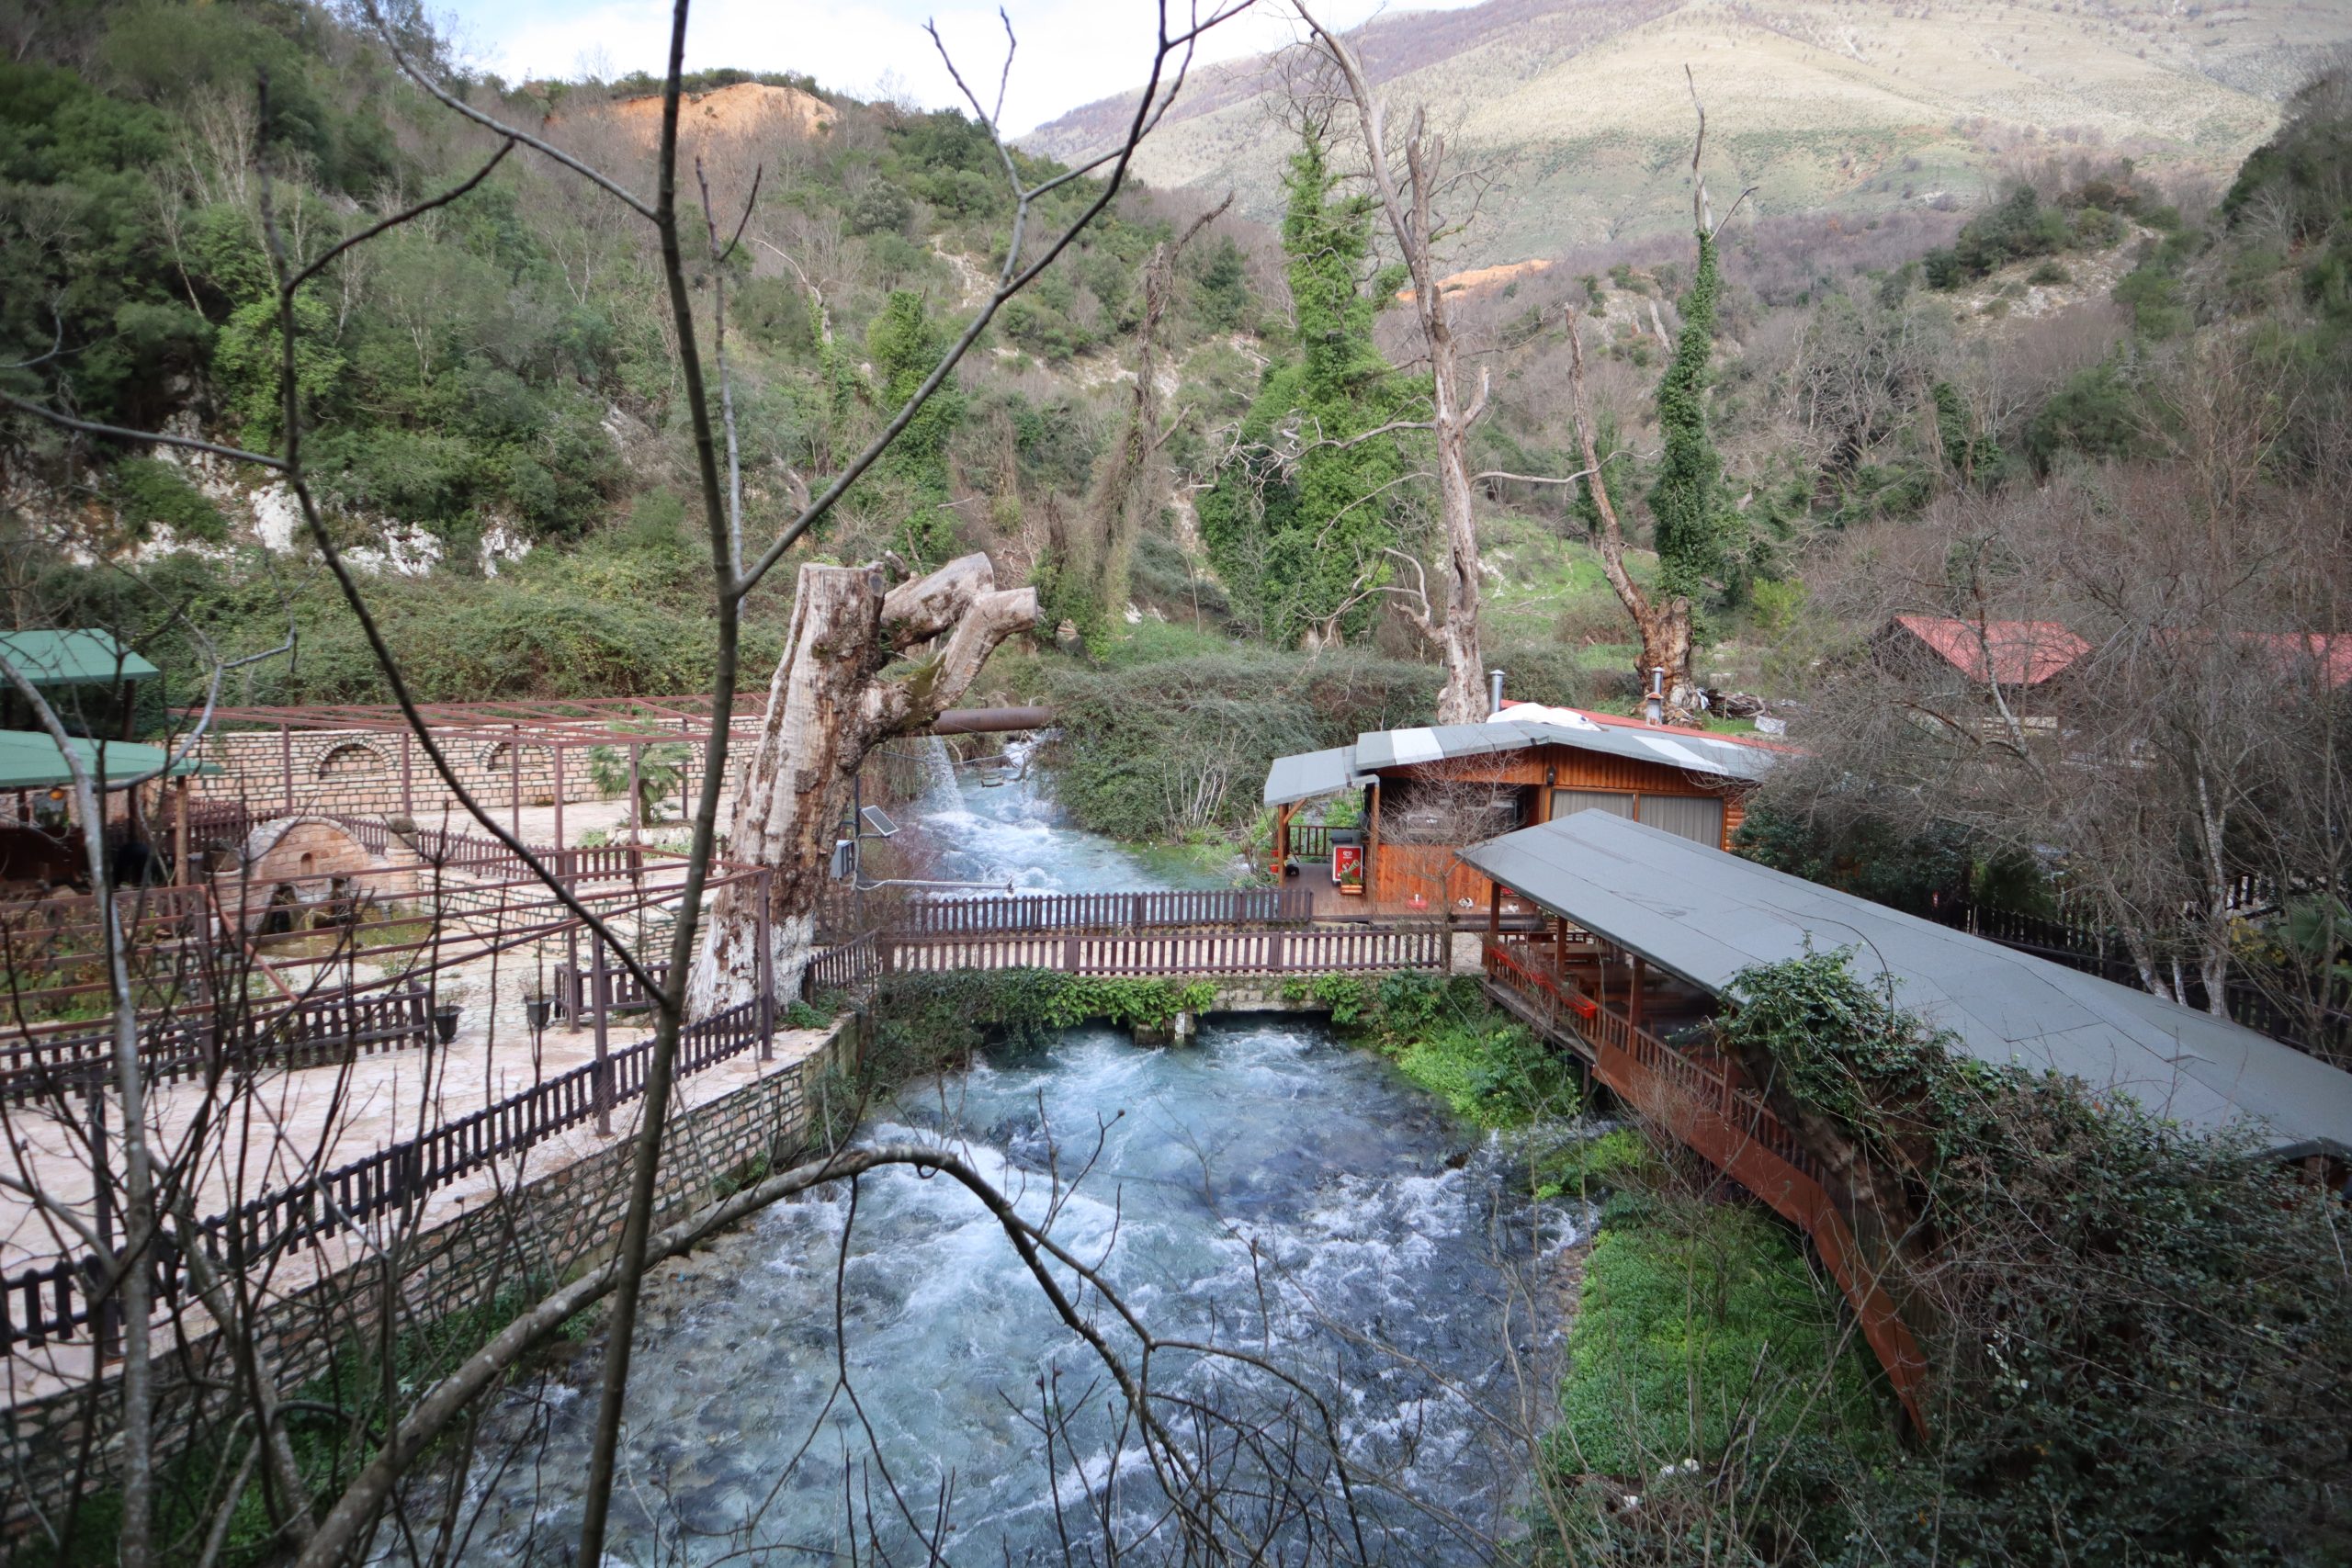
{"points": [[295, 863], [362, 772], [553, 1228]]}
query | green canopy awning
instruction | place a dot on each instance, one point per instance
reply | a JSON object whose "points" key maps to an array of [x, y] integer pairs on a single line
{"points": [[77, 658], [29, 759]]}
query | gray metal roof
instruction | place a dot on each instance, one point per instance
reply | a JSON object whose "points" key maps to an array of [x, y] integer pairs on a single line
{"points": [[1311, 774], [1704, 916], [1321, 772]]}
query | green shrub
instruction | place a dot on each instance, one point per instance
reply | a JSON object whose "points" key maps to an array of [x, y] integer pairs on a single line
{"points": [[1155, 750], [153, 491], [927, 1024], [2141, 1329]]}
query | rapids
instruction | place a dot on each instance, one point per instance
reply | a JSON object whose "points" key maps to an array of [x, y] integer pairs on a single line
{"points": [[1269, 1189]]}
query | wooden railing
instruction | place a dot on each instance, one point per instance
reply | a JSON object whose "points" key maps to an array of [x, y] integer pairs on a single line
{"points": [[481, 856], [851, 965], [327, 1027], [1103, 911], [56, 1300], [1312, 840], [211, 821], [1703, 1106], [1271, 951], [574, 989]]}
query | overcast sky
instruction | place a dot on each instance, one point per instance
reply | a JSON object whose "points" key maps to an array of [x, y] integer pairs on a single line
{"points": [[1071, 52]]}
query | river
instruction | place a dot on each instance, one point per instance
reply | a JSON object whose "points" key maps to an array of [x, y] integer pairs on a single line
{"points": [[1267, 1189]]}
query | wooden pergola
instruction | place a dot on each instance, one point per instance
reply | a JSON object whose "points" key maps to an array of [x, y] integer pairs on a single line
{"points": [[559, 726]]}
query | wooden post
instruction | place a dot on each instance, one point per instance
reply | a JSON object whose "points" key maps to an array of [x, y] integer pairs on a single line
{"points": [[1282, 842], [1494, 913], [1372, 841], [765, 960], [1560, 946], [408, 775], [561, 842], [602, 981], [1633, 998], [571, 967], [180, 869], [636, 811], [285, 762], [515, 778]]}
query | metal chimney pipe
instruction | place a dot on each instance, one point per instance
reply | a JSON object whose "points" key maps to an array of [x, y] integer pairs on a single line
{"points": [[1655, 705], [1493, 691]]}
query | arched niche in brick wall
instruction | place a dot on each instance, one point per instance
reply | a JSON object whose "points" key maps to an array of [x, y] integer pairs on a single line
{"points": [[351, 759], [535, 765]]}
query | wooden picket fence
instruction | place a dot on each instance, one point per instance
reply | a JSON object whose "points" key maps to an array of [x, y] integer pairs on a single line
{"points": [[59, 1300], [1275, 950], [321, 1028], [1103, 911]]}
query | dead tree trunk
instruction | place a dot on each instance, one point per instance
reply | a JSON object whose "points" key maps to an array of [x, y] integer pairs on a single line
{"points": [[847, 683], [1418, 227], [1663, 624]]}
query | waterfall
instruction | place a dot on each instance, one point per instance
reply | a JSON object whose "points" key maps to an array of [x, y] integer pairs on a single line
{"points": [[939, 791]]}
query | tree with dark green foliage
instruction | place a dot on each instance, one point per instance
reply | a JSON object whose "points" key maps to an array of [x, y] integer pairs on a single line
{"points": [[152, 492], [1973, 461], [1696, 556], [904, 343], [1221, 295], [1297, 523], [1861, 855]]}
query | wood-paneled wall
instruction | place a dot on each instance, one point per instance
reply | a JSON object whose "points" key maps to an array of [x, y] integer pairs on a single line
{"points": [[1399, 871]]}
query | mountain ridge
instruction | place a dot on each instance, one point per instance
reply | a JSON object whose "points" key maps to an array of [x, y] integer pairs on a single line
{"points": [[1581, 109]]}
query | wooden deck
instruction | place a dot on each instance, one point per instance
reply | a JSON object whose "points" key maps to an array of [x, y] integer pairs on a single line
{"points": [[1559, 985], [1329, 904]]}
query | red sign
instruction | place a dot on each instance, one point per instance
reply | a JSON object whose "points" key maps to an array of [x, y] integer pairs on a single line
{"points": [[1346, 864]]}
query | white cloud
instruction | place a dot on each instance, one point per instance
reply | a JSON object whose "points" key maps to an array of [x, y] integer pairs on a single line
{"points": [[1070, 51]]}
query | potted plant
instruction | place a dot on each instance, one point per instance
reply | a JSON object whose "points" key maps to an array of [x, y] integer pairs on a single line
{"points": [[444, 1020]]}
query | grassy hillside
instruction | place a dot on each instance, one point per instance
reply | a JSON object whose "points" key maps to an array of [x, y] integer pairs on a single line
{"points": [[1582, 109], [490, 401]]}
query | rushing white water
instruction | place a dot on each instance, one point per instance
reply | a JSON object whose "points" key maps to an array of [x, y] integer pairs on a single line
{"points": [[1270, 1190], [1010, 833]]}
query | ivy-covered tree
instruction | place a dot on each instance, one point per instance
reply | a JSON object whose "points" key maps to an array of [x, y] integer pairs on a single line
{"points": [[1694, 554], [904, 343], [1298, 522]]}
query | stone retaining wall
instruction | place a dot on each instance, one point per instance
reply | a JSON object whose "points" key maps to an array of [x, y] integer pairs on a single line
{"points": [[548, 1231]]}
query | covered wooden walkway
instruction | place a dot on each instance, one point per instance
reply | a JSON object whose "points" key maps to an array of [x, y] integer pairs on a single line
{"points": [[1608, 1008]]}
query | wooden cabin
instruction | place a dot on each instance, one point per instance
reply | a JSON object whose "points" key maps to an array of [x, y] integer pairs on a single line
{"points": [[1429, 793]]}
